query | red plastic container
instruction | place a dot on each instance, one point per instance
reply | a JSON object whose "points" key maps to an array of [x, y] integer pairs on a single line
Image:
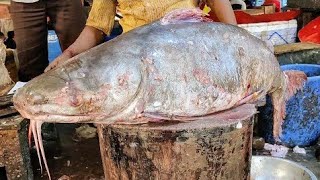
{"points": [[311, 32]]}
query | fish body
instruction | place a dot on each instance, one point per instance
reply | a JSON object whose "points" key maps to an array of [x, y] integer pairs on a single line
{"points": [[184, 70], [166, 70]]}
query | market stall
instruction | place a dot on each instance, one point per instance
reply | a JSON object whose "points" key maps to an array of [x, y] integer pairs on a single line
{"points": [[151, 93]]}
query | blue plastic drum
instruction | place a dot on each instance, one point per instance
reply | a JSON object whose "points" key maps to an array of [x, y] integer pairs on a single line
{"points": [[302, 123]]}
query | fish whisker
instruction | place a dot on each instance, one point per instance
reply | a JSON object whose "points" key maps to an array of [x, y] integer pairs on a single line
{"points": [[36, 141], [38, 127]]}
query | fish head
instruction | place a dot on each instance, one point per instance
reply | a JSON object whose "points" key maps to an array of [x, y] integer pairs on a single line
{"points": [[79, 92]]}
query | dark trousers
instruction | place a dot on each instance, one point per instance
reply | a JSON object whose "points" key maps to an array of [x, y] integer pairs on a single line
{"points": [[31, 31]]}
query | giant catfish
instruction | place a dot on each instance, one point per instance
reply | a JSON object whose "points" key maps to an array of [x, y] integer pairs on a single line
{"points": [[176, 68]]}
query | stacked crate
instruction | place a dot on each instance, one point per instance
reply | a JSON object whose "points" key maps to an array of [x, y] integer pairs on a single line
{"points": [[278, 33]]}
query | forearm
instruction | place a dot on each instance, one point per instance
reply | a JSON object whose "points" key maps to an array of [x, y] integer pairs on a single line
{"points": [[223, 11], [100, 20], [88, 38]]}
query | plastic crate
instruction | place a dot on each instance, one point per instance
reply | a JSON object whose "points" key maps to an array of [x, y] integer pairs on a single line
{"points": [[278, 33]]}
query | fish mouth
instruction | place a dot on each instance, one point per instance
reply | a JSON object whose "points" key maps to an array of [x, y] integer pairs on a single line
{"points": [[59, 118], [30, 113]]}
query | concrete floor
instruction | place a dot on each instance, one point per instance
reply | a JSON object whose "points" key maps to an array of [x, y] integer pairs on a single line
{"points": [[74, 160]]}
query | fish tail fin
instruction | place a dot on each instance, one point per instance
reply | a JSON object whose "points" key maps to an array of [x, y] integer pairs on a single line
{"points": [[294, 82], [185, 15]]}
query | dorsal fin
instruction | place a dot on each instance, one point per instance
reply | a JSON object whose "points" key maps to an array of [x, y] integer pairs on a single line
{"points": [[185, 15]]}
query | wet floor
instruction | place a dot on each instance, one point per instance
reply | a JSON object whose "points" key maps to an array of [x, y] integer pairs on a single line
{"points": [[74, 160]]}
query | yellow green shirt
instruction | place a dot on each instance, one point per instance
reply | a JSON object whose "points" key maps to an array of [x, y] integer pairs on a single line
{"points": [[135, 13]]}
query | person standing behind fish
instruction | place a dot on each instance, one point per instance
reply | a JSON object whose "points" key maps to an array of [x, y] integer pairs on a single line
{"points": [[135, 13], [31, 30]]}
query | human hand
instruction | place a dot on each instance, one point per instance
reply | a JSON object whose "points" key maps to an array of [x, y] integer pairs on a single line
{"points": [[88, 38], [60, 59]]}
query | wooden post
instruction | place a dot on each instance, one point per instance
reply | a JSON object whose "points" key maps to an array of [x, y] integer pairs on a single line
{"points": [[216, 147]]}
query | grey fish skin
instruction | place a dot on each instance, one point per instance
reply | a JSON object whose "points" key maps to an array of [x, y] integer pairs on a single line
{"points": [[189, 69], [167, 70]]}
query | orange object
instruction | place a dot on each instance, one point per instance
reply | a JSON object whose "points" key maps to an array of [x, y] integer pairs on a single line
{"points": [[311, 32]]}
